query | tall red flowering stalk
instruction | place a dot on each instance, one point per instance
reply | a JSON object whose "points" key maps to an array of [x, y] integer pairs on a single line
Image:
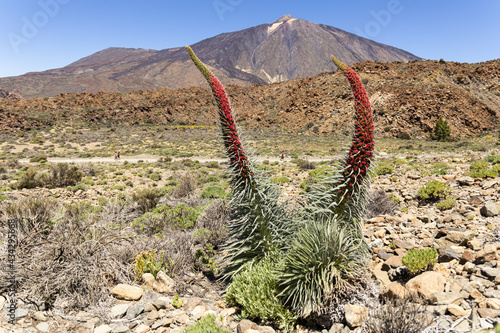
{"points": [[361, 152], [236, 154], [259, 224]]}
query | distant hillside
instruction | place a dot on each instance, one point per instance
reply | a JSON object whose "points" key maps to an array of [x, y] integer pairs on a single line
{"points": [[406, 97], [4, 94], [286, 49]]}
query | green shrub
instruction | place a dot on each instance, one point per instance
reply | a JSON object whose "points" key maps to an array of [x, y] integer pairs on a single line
{"points": [[205, 325], [213, 191], [447, 203], [493, 159], [315, 176], [180, 216], [481, 169], [418, 259], [146, 198], [305, 165], [62, 175], [150, 262], [440, 168], [254, 289], [206, 259], [384, 169], [403, 136], [30, 179], [281, 180], [38, 159], [434, 190], [441, 131], [185, 187], [155, 176]]}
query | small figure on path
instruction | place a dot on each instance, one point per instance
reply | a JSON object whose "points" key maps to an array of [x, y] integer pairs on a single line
{"points": [[282, 156]]}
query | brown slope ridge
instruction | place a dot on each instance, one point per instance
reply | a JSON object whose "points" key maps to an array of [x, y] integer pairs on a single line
{"points": [[4, 94], [406, 97], [288, 48]]}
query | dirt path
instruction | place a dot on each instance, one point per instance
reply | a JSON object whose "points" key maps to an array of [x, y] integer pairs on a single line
{"points": [[154, 158]]}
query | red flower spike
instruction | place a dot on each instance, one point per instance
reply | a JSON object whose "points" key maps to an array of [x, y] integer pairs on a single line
{"points": [[362, 145], [228, 126]]}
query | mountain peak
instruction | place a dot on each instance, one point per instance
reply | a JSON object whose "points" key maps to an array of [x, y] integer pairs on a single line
{"points": [[284, 18]]}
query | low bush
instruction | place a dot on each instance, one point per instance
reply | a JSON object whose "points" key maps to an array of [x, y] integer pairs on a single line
{"points": [[205, 325], [166, 217], [315, 176], [419, 259], [481, 169], [254, 289], [62, 175], [396, 316], [213, 191], [305, 165], [30, 179], [33, 214], [185, 187], [150, 262], [38, 159], [493, 159], [384, 169], [281, 180], [447, 203], [380, 203], [146, 198], [434, 190], [214, 220], [440, 169]]}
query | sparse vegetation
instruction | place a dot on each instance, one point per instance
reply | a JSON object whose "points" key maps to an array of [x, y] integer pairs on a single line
{"points": [[420, 259], [434, 190]]}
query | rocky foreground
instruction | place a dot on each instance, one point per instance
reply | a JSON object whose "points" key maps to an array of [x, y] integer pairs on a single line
{"points": [[461, 292]]}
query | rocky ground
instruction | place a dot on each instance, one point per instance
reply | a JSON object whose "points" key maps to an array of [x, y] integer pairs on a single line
{"points": [[460, 293]]}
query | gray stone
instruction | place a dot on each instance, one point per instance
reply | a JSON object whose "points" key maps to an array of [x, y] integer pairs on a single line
{"points": [[384, 255], [119, 328], [442, 298], [134, 311], [447, 254], [489, 183], [465, 181], [488, 313], [491, 293], [407, 245], [489, 209], [490, 272], [119, 310]]}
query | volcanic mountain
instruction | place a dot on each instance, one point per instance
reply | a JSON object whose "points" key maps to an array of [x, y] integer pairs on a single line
{"points": [[288, 48]]}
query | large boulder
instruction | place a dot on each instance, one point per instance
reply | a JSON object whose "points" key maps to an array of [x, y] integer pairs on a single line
{"points": [[426, 285]]}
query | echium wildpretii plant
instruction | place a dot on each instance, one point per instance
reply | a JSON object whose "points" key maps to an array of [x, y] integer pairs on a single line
{"points": [[260, 224], [318, 246]]}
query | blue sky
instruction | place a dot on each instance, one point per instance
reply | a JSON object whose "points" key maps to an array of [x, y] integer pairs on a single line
{"points": [[37, 35]]}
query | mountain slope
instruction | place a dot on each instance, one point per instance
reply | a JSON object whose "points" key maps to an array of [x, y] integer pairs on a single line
{"points": [[406, 97], [287, 49]]}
